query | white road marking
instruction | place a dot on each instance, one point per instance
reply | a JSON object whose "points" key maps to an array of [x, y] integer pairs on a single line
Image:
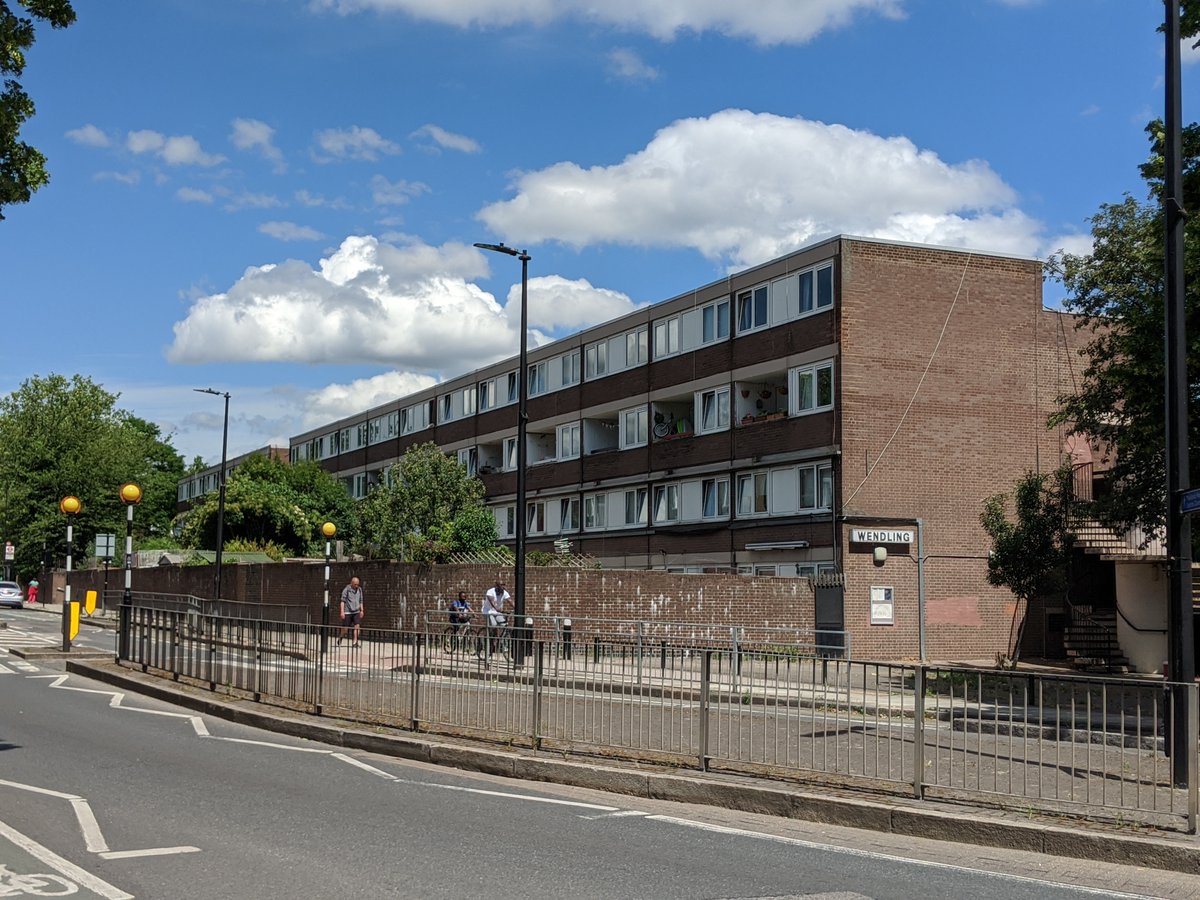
{"points": [[66, 868], [93, 837], [888, 857], [5, 670], [619, 814], [366, 768], [273, 746], [156, 851]]}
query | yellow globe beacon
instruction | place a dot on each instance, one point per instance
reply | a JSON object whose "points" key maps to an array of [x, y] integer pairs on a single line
{"points": [[131, 493], [329, 529], [70, 506]]}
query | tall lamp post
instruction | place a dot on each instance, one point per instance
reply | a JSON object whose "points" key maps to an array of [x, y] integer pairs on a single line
{"points": [[522, 421], [131, 496], [70, 507], [328, 530], [221, 494]]}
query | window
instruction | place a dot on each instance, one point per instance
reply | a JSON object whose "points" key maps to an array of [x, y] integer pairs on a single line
{"points": [[752, 494], [634, 427], [752, 309], [468, 458], [570, 368], [666, 337], [360, 435], [393, 424], [666, 503], [568, 441], [637, 350], [568, 514], [714, 322], [375, 430], [715, 498], [537, 379], [825, 487], [596, 360], [447, 414], [414, 418], [487, 395], [635, 506], [511, 380], [510, 453], [712, 412], [506, 521], [535, 518], [812, 388], [816, 289], [360, 485], [595, 515]]}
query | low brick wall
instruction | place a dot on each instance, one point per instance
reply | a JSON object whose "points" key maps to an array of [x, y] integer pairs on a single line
{"points": [[398, 594]]}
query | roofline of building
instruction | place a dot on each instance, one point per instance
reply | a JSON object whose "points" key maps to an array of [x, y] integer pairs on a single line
{"points": [[635, 317]]}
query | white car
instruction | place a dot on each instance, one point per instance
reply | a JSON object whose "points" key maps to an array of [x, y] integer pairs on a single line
{"points": [[10, 595]]}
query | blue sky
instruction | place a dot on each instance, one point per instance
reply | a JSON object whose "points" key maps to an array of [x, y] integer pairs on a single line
{"points": [[278, 199]]}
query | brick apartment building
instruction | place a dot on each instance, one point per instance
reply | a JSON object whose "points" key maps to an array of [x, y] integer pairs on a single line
{"points": [[841, 412]]}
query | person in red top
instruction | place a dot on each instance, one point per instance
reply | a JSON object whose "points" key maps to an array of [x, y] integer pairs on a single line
{"points": [[32, 592]]}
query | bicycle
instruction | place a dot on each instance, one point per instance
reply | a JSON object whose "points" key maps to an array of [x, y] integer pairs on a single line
{"points": [[459, 636], [497, 639]]}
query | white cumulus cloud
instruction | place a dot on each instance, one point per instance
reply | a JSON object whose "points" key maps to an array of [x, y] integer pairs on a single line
{"points": [[89, 135], [174, 150], [290, 231], [447, 139], [193, 195], [743, 187], [409, 307], [626, 65], [256, 136], [763, 21], [559, 304], [354, 143], [395, 193]]}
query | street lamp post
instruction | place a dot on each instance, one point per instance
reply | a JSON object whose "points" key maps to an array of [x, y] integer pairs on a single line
{"points": [[329, 530], [70, 507], [522, 631], [131, 496], [221, 489]]}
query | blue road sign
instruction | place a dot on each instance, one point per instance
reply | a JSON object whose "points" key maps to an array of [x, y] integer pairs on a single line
{"points": [[1189, 501]]}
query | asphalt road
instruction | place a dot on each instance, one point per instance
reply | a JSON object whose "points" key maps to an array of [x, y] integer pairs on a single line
{"points": [[122, 796]]}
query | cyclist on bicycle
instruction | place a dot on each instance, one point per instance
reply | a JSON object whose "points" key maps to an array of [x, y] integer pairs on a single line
{"points": [[460, 611], [494, 603]]}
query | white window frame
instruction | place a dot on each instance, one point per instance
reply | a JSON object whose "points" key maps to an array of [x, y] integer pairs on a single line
{"points": [[719, 423], [468, 458], [569, 516], [639, 418], [596, 360], [804, 389], [668, 503], [666, 337], [537, 382], [634, 500], [718, 490], [510, 454], [535, 517], [754, 479], [595, 512], [714, 309], [571, 371], [759, 294], [569, 441]]}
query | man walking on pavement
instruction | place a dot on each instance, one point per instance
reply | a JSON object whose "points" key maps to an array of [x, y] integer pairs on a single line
{"points": [[352, 610]]}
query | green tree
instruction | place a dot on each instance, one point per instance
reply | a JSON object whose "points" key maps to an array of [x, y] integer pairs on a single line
{"points": [[22, 167], [269, 504], [1031, 556], [1117, 294], [60, 437], [431, 509]]}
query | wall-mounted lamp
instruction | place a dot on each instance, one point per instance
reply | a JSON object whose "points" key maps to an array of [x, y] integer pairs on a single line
{"points": [[879, 555]]}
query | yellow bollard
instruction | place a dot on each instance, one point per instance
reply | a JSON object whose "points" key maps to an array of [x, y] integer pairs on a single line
{"points": [[89, 602], [74, 620]]}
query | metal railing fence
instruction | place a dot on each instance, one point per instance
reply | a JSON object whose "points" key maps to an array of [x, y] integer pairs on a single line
{"points": [[1062, 744]]}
